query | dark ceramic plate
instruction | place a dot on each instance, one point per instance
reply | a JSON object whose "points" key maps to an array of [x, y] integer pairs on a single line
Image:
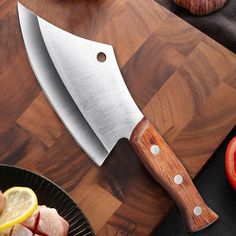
{"points": [[48, 194]]}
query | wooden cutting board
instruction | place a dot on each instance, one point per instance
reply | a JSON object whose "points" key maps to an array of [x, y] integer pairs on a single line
{"points": [[183, 81]]}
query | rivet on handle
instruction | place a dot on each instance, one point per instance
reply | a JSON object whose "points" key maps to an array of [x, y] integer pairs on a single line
{"points": [[178, 179], [197, 211], [155, 149]]}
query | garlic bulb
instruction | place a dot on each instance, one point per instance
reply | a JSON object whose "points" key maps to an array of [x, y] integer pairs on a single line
{"points": [[201, 7]]}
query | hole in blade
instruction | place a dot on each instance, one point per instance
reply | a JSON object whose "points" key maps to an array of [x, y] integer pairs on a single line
{"points": [[101, 57]]}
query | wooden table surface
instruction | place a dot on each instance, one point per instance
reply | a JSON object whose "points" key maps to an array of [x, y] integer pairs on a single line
{"points": [[183, 81]]}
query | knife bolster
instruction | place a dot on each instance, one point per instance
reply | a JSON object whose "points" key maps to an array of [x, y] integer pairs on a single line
{"points": [[167, 170]]}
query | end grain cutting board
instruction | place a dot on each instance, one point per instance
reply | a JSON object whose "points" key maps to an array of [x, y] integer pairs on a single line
{"points": [[182, 80]]}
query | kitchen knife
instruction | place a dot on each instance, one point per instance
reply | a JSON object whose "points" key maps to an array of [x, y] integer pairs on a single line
{"points": [[82, 80]]}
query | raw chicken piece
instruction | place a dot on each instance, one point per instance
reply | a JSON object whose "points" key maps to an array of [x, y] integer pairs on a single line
{"points": [[18, 230], [47, 221], [1, 202], [51, 223]]}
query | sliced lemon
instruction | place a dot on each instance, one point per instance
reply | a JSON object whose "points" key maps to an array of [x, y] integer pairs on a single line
{"points": [[20, 204]]}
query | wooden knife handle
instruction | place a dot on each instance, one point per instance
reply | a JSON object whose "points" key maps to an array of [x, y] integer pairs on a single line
{"points": [[165, 167]]}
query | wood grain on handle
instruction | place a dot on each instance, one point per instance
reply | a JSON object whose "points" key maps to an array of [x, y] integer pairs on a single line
{"points": [[165, 167]]}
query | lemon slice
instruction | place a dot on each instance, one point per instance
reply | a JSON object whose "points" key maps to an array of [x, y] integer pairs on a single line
{"points": [[20, 204]]}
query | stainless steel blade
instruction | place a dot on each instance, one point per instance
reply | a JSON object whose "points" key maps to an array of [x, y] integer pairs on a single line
{"points": [[97, 88], [55, 90]]}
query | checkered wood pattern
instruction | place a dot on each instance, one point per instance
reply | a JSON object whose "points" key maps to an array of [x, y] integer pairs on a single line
{"points": [[184, 82]]}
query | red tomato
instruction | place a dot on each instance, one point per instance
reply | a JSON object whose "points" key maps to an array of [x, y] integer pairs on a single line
{"points": [[230, 162]]}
